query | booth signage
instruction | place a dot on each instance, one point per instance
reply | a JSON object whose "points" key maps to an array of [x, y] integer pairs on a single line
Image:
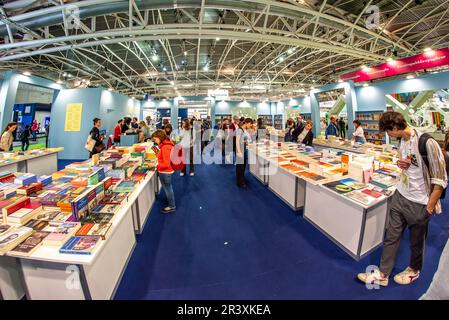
{"points": [[222, 93], [426, 60]]}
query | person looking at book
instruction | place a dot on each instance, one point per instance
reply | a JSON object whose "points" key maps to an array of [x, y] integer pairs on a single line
{"points": [[342, 127], [135, 123], [144, 132], [306, 134], [95, 135], [289, 128], [261, 129], [242, 140], [118, 131], [126, 125], [358, 135], [25, 137], [164, 167], [332, 129], [416, 198], [8, 137]]}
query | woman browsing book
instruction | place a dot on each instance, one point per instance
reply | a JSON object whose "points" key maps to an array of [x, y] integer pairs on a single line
{"points": [[164, 167]]}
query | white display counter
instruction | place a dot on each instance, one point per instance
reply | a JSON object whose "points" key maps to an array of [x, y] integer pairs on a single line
{"points": [[258, 166], [355, 228], [38, 164], [47, 274]]}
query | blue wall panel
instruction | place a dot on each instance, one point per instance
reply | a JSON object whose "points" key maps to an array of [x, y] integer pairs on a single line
{"points": [[73, 142]]}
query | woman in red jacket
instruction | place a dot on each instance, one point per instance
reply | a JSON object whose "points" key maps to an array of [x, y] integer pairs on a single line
{"points": [[118, 131], [164, 167]]}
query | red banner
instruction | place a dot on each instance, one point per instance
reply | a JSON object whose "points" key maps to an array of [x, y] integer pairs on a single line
{"points": [[426, 60]]}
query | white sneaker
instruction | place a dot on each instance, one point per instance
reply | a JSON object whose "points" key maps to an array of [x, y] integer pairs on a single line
{"points": [[182, 174], [373, 278], [192, 174], [407, 276]]}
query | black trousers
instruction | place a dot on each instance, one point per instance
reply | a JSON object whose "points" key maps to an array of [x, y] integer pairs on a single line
{"points": [[240, 168], [404, 213], [190, 152]]}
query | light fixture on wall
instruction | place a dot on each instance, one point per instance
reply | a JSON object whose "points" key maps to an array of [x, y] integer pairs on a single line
{"points": [[365, 84], [110, 89], [410, 76], [59, 82], [340, 81], [217, 39], [27, 73], [428, 49]]}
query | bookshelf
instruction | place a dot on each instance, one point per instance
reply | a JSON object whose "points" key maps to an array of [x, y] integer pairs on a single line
{"points": [[267, 119], [278, 124], [370, 124]]}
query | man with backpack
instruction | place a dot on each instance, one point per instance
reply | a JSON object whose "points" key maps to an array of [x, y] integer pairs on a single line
{"points": [[417, 197]]}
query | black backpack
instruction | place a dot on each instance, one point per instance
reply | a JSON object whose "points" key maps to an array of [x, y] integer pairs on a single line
{"points": [[423, 152]]}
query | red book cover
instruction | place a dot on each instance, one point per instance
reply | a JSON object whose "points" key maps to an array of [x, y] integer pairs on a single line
{"points": [[91, 196], [107, 183], [34, 204], [372, 193]]}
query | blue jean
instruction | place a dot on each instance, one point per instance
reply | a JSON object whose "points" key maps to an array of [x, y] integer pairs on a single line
{"points": [[168, 188]]}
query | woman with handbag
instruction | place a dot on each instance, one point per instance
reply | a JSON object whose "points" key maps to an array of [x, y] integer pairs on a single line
{"points": [[97, 137]]}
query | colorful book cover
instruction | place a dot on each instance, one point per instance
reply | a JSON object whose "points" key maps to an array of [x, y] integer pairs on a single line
{"points": [[338, 187], [30, 244], [37, 225], [354, 184], [80, 245], [372, 193], [360, 197]]}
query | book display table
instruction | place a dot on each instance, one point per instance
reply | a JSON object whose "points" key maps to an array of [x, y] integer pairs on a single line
{"points": [[38, 164], [288, 187], [355, 228], [48, 274], [258, 166]]}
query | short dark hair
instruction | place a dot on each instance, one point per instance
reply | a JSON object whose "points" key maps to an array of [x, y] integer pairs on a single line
{"points": [[390, 120], [120, 120], [357, 122], [96, 120], [248, 120]]}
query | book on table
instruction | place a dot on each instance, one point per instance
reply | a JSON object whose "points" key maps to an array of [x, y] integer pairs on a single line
{"points": [[80, 245], [30, 244], [12, 237], [60, 232]]}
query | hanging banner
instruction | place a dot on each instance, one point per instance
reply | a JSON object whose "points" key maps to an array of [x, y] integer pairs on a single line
{"points": [[73, 115], [426, 60]]}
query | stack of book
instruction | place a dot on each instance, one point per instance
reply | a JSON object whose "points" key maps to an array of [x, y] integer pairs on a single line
{"points": [[126, 186], [25, 179], [11, 236], [60, 232], [80, 245], [30, 244], [95, 229], [45, 180]]}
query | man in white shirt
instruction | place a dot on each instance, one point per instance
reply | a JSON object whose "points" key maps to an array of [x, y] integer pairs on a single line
{"points": [[417, 197]]}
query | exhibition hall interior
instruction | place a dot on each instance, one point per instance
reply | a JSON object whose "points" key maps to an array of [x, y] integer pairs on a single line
{"points": [[224, 150]]}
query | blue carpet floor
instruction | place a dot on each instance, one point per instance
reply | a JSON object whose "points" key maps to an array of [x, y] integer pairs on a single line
{"points": [[228, 243]]}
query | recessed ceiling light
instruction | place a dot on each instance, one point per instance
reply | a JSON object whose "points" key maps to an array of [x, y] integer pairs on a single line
{"points": [[427, 49], [365, 84], [290, 51], [312, 88], [59, 82], [340, 81], [172, 83], [164, 69], [217, 39], [133, 98], [155, 57], [410, 76], [64, 74], [185, 53], [364, 67], [27, 73], [110, 89], [281, 59], [390, 60]]}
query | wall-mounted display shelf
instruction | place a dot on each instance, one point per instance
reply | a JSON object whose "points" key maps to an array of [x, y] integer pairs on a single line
{"points": [[370, 124]]}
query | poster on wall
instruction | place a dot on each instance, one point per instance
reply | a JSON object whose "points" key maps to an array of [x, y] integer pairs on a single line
{"points": [[73, 117]]}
